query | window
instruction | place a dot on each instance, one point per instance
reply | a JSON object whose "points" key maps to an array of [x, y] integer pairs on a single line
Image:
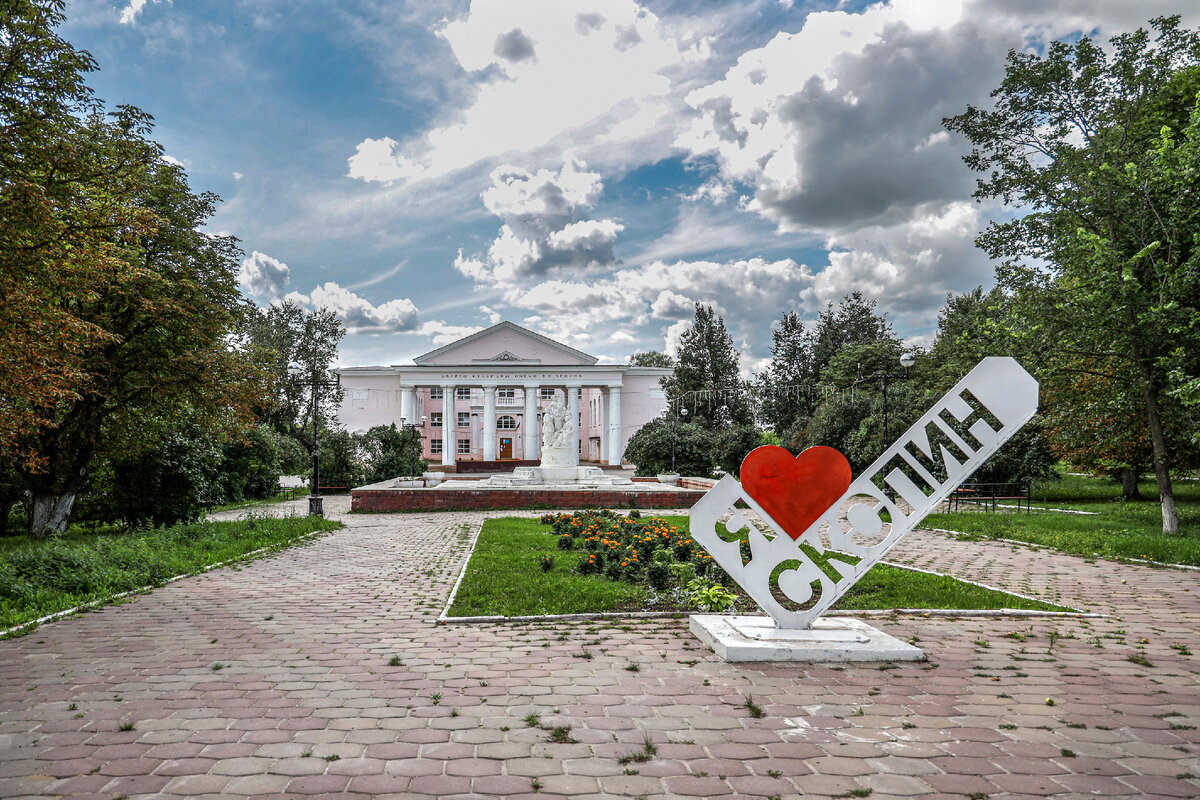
{"points": [[506, 423], [361, 394], [462, 393], [508, 393], [546, 394], [435, 393], [435, 419], [464, 447], [435, 447], [464, 419]]}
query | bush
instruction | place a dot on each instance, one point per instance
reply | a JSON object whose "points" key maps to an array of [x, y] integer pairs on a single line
{"points": [[658, 575]]}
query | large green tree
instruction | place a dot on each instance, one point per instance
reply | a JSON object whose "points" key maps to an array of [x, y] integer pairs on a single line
{"points": [[787, 387], [1101, 152], [706, 379], [284, 334], [124, 304]]}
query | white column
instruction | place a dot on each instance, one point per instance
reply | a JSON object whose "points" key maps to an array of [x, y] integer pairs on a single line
{"points": [[489, 422], [530, 425], [603, 406], [408, 405], [615, 450], [573, 415], [449, 426]]}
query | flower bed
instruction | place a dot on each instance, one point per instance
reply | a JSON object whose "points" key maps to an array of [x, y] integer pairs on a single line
{"points": [[633, 549]]}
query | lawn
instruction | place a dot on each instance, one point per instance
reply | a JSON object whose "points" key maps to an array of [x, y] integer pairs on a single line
{"points": [[42, 577], [504, 577], [1116, 528]]}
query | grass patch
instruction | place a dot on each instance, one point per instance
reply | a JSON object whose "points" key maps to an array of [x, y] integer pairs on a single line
{"points": [[504, 577], [42, 577], [1118, 529]]}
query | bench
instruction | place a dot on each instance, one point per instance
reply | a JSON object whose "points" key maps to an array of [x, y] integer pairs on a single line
{"points": [[989, 496]]}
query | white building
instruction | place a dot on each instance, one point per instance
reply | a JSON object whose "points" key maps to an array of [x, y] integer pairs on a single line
{"points": [[480, 398]]}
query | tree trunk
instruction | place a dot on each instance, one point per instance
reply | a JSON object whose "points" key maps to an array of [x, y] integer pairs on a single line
{"points": [[50, 513], [1166, 495], [1129, 485]]}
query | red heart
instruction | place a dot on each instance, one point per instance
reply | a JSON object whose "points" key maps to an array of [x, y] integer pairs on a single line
{"points": [[795, 491]]}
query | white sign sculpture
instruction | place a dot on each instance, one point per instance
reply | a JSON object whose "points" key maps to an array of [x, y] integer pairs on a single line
{"points": [[796, 567]]}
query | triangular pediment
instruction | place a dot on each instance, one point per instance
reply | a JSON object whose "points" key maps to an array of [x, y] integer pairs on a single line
{"points": [[505, 342]]}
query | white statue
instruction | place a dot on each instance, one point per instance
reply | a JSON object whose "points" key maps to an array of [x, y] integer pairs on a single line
{"points": [[558, 429]]}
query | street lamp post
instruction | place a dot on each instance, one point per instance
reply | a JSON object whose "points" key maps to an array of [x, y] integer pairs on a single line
{"points": [[906, 361], [316, 504], [674, 421]]}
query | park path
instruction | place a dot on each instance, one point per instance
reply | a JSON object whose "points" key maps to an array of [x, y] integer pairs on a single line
{"points": [[276, 679]]}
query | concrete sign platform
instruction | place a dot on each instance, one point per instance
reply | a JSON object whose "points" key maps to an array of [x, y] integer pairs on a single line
{"points": [[830, 639]]}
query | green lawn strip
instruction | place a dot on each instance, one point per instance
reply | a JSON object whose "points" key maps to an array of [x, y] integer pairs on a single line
{"points": [[1111, 535], [1084, 493], [43, 577], [504, 577]]}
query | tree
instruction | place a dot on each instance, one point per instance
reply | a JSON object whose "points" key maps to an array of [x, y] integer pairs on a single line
{"points": [[852, 321], [706, 379], [391, 452], [651, 358], [284, 334], [787, 387], [650, 448], [1102, 154], [124, 305], [62, 195]]}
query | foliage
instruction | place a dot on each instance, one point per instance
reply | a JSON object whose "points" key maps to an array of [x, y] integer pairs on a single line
{"points": [[650, 448], [852, 321], [116, 305], [1102, 152], [40, 577], [283, 334], [731, 445], [704, 595], [784, 409], [651, 358], [390, 452], [706, 380], [342, 461]]}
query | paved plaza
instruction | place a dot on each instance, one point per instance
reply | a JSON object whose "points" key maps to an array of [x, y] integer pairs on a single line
{"points": [[319, 671]]}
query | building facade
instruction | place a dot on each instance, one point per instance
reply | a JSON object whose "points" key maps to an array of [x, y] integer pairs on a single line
{"points": [[481, 398]]}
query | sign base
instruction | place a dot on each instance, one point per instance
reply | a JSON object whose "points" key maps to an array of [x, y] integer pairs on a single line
{"points": [[831, 639]]}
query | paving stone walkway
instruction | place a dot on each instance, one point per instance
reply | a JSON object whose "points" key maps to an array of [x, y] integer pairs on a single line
{"points": [[319, 672]]}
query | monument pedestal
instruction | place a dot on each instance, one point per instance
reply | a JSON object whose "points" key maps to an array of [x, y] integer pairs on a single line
{"points": [[830, 639]]}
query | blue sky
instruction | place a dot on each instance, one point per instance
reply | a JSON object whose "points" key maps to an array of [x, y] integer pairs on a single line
{"points": [[586, 168]]}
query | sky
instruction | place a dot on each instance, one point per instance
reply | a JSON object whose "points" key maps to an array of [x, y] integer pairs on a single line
{"points": [[588, 169]]}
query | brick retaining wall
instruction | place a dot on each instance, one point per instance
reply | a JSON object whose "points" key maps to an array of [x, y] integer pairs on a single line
{"points": [[375, 500]]}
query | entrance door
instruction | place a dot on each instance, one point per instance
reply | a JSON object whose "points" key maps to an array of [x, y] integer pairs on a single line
{"points": [[506, 447]]}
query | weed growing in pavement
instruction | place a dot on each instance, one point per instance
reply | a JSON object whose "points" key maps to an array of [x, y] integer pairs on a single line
{"points": [[753, 708], [649, 750], [127, 726], [560, 734], [533, 720]]}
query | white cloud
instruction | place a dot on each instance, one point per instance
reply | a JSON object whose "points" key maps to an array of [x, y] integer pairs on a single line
{"points": [[263, 277], [173, 161], [237, 176], [749, 293], [441, 333], [544, 225], [130, 13], [558, 75], [359, 314]]}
